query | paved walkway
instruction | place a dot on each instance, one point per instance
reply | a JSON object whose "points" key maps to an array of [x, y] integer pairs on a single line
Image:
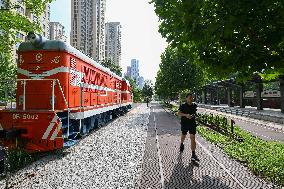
{"points": [[165, 167]]}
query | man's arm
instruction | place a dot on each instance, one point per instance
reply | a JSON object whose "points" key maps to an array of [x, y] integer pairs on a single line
{"points": [[195, 113], [185, 115]]}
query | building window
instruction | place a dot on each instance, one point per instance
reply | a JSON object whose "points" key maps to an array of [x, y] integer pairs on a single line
{"points": [[19, 36], [35, 18], [17, 45], [21, 10]]}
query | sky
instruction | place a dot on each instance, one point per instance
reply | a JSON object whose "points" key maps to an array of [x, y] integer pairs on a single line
{"points": [[140, 37]]}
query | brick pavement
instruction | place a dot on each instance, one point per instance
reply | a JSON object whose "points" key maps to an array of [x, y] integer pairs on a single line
{"points": [[165, 167]]}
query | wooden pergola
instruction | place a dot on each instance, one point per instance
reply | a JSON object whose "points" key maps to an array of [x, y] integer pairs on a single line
{"points": [[212, 89]]}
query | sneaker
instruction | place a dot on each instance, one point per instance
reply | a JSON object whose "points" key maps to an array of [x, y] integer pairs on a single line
{"points": [[181, 148], [194, 158]]}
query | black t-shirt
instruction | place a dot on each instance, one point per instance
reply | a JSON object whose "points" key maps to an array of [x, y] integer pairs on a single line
{"points": [[188, 109]]}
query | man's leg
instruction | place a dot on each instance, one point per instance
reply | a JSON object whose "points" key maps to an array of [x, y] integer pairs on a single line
{"points": [[182, 138], [192, 142]]}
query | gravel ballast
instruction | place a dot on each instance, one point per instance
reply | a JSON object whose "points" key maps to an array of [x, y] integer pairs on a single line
{"points": [[110, 157]]}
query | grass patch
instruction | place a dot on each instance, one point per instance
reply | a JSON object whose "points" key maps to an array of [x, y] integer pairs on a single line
{"points": [[18, 159], [264, 158]]}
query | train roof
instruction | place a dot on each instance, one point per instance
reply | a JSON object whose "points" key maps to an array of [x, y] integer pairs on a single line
{"points": [[126, 81], [56, 45]]}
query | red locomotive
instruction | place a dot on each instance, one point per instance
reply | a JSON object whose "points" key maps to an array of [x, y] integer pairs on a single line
{"points": [[61, 95]]}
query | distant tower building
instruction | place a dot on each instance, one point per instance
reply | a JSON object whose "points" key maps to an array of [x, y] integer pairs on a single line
{"points": [[88, 27], [113, 42], [135, 70], [141, 82], [57, 32], [128, 72]]}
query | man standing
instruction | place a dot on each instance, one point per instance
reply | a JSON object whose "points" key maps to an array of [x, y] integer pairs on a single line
{"points": [[187, 111], [147, 101]]}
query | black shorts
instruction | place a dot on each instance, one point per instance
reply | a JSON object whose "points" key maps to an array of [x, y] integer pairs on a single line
{"points": [[188, 128]]}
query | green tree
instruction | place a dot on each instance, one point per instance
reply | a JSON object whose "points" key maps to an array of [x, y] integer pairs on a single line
{"points": [[12, 22], [148, 90], [227, 36], [177, 73], [113, 67], [7, 77], [137, 94]]}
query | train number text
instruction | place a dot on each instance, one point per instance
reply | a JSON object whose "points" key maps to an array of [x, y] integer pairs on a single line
{"points": [[25, 116]]}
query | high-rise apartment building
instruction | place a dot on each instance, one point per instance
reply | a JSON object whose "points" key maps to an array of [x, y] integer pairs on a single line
{"points": [[88, 27], [43, 19], [113, 42], [57, 31], [19, 6], [101, 8]]}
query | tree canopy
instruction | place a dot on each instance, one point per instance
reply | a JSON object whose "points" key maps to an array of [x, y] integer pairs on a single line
{"points": [[227, 36], [177, 73], [137, 95], [148, 89], [12, 22], [113, 67]]}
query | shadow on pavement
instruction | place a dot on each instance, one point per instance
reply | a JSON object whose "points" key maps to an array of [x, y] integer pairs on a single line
{"points": [[182, 177]]}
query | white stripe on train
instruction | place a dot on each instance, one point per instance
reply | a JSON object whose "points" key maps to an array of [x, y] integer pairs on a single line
{"points": [[49, 128], [89, 113], [61, 69], [77, 115], [56, 131]]}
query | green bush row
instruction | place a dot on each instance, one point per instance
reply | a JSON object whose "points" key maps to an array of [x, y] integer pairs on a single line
{"points": [[170, 106], [264, 158], [220, 123]]}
